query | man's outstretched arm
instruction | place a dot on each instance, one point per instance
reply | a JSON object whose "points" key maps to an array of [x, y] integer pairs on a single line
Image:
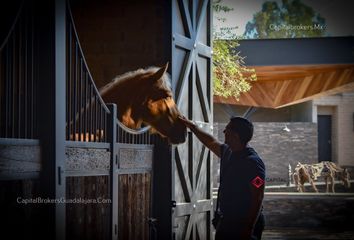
{"points": [[207, 139]]}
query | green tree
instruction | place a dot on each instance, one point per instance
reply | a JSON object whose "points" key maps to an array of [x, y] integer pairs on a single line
{"points": [[292, 19], [230, 76]]}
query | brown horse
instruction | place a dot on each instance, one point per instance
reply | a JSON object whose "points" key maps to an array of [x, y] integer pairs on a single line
{"points": [[145, 96]]}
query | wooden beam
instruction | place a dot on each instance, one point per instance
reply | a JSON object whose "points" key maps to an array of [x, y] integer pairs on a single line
{"points": [[265, 94], [304, 85], [279, 95], [341, 89], [279, 73], [283, 85], [328, 81]]}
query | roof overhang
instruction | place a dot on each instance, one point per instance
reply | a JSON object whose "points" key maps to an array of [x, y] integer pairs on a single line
{"points": [[280, 86]]}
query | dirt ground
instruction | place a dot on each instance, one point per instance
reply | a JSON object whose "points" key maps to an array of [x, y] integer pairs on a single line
{"points": [[308, 234]]}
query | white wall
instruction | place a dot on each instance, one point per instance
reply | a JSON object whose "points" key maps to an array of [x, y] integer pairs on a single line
{"points": [[341, 107]]}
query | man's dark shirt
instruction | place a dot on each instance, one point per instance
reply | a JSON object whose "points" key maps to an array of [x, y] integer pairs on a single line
{"points": [[238, 170]]}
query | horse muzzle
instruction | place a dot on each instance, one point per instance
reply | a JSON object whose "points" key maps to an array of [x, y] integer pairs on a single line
{"points": [[179, 135]]}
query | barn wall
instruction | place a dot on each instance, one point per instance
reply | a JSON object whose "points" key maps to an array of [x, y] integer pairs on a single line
{"points": [[19, 160], [20, 189], [121, 36], [279, 148]]}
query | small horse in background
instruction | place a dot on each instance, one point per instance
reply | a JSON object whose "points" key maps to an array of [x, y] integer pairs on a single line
{"points": [[311, 172], [331, 171], [144, 96], [303, 173]]}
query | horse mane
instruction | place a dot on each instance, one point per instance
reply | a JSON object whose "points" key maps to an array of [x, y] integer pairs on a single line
{"points": [[126, 77]]}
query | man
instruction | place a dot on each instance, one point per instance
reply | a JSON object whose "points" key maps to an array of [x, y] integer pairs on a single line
{"points": [[242, 175]]}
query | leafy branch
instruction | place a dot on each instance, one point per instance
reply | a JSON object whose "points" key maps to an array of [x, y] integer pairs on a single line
{"points": [[230, 75]]}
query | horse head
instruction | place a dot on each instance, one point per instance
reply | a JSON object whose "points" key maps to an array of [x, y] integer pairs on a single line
{"points": [[145, 96], [159, 109]]}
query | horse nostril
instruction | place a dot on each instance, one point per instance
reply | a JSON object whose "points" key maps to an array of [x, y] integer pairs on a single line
{"points": [[184, 135], [181, 139]]}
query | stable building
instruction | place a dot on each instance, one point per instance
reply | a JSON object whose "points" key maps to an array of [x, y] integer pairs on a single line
{"points": [[54, 56]]}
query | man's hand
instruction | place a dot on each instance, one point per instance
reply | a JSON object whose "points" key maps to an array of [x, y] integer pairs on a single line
{"points": [[188, 123], [207, 139]]}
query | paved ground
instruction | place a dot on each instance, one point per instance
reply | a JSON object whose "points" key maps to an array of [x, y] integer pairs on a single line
{"points": [[308, 234]]}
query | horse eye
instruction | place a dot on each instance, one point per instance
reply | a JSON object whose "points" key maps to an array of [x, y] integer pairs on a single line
{"points": [[167, 95]]}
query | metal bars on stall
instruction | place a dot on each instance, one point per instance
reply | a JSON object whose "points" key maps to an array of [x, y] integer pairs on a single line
{"points": [[17, 78], [86, 112]]}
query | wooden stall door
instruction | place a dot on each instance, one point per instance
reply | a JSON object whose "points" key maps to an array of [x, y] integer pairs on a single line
{"points": [[88, 208], [134, 191], [191, 80]]}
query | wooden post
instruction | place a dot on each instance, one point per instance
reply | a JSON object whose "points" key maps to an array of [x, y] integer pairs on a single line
{"points": [[60, 113], [51, 61], [162, 206], [112, 138]]}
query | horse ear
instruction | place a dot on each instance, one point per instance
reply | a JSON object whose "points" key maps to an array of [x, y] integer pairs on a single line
{"points": [[158, 75]]}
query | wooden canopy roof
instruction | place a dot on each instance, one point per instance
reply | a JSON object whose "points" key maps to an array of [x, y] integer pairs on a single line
{"points": [[280, 86]]}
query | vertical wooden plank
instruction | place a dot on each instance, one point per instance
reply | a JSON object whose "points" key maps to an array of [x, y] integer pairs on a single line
{"points": [[147, 200], [88, 220], [121, 204], [134, 198]]}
